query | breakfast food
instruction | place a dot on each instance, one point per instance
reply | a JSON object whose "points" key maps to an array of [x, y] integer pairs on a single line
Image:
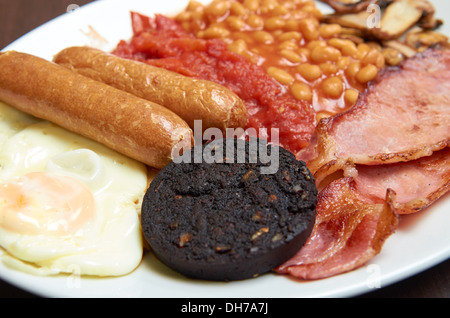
{"points": [[133, 126], [349, 231], [228, 221], [396, 17], [395, 163], [294, 70], [67, 203], [402, 116], [360, 66], [417, 183], [312, 60], [164, 43], [191, 99]]}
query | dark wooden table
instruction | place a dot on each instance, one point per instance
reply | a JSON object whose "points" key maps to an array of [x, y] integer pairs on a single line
{"points": [[21, 16]]}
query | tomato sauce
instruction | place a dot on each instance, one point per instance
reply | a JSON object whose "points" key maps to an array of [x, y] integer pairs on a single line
{"points": [[162, 42]]}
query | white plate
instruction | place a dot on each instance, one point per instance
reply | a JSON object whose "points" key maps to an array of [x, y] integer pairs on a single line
{"points": [[421, 241]]}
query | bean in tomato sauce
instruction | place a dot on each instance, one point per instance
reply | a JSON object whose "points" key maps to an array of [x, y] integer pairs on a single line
{"points": [[288, 39]]}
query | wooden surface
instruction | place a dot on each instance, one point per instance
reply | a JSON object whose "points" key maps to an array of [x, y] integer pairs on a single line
{"points": [[21, 16]]}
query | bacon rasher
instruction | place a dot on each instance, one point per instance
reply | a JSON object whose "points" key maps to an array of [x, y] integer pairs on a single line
{"points": [[403, 115], [348, 232], [392, 149], [417, 183], [356, 215]]}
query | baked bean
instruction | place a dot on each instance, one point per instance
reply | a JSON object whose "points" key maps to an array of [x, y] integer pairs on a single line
{"points": [[291, 25], [304, 3], [194, 6], [333, 87], [279, 10], [252, 5], [304, 52], [183, 16], [277, 33], [328, 68], [274, 23], [351, 96], [267, 6], [322, 115], [309, 72], [198, 15], [238, 46], [363, 49], [291, 56], [255, 21], [309, 28], [263, 37], [349, 49], [367, 73], [312, 9], [301, 91], [313, 44], [246, 36], [392, 56], [353, 69], [236, 23], [218, 8], [374, 45], [238, 9], [337, 43], [330, 30], [343, 62], [371, 57], [292, 35], [288, 45], [321, 54], [374, 57], [214, 32], [280, 75], [381, 62]]}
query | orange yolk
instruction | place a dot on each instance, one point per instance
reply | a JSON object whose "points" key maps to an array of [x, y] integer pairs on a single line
{"points": [[40, 203]]}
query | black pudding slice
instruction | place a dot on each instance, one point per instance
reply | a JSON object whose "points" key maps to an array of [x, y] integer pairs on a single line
{"points": [[229, 221]]}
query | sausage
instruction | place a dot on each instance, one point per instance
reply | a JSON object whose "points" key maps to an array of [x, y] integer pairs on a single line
{"points": [[135, 127], [192, 99]]}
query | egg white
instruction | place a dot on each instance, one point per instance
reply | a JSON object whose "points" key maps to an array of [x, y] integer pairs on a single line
{"points": [[108, 244]]}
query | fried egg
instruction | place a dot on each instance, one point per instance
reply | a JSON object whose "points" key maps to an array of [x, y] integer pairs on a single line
{"points": [[67, 203]]}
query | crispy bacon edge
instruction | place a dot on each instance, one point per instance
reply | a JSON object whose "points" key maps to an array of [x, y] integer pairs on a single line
{"points": [[436, 166], [348, 233]]}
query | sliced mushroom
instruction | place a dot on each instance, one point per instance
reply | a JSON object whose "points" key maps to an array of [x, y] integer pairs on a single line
{"points": [[428, 20], [398, 17], [394, 20], [392, 56], [351, 20], [401, 47], [420, 40]]}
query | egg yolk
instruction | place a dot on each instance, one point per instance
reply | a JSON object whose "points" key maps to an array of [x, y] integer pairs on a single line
{"points": [[40, 203]]}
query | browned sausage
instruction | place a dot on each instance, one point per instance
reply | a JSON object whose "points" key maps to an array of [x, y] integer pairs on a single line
{"points": [[140, 129], [192, 99]]}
